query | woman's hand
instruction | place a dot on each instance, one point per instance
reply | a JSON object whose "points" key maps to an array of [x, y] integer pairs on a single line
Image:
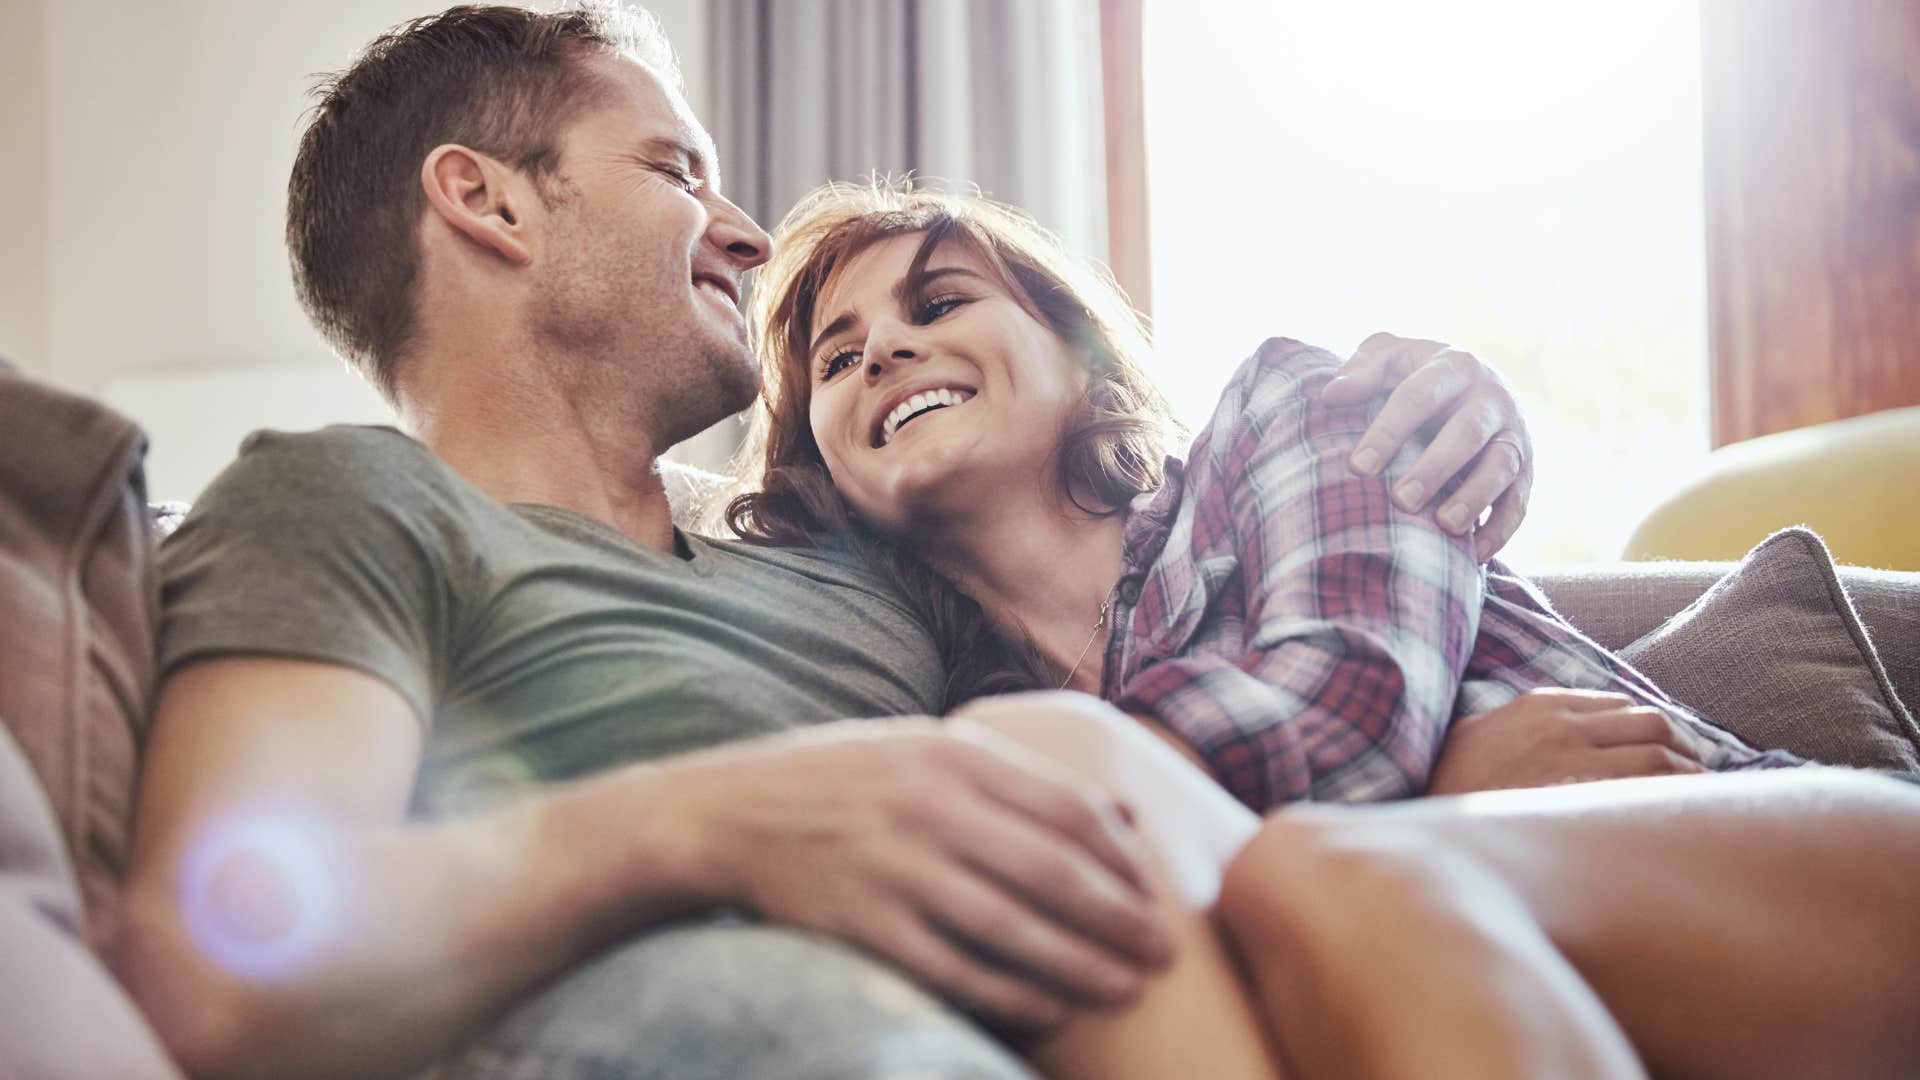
{"points": [[1483, 445], [1557, 736]]}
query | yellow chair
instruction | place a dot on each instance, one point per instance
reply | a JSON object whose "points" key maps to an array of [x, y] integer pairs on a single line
{"points": [[1856, 482]]}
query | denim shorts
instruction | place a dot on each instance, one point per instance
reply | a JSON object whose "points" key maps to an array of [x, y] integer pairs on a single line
{"points": [[728, 999]]}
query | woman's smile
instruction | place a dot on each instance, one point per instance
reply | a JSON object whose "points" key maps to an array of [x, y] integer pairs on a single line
{"points": [[917, 406]]}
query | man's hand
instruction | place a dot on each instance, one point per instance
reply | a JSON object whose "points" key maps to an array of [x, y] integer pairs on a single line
{"points": [[997, 878], [1556, 736], [1483, 445]]}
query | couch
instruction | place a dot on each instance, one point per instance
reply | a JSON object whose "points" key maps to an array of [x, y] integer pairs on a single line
{"points": [[1828, 654]]}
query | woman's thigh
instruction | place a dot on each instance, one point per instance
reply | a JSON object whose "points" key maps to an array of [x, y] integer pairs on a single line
{"points": [[1197, 1018], [1742, 925]]}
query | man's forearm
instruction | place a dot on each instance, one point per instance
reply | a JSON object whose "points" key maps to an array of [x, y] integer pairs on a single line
{"points": [[436, 928]]}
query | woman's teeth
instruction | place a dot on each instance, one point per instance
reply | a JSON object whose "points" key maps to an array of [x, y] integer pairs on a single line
{"points": [[917, 404]]}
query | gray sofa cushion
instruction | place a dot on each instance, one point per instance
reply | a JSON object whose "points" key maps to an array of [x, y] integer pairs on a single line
{"points": [[1616, 604], [62, 1017], [1775, 653]]}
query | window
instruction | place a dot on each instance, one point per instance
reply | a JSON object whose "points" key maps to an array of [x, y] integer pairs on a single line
{"points": [[1519, 177]]}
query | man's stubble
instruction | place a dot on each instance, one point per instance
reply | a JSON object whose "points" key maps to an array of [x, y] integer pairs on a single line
{"points": [[629, 332]]}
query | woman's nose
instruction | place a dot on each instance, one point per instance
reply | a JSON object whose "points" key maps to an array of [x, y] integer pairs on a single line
{"points": [[886, 348]]}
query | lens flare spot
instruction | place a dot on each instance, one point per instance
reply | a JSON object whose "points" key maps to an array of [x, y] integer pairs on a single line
{"points": [[262, 895]]}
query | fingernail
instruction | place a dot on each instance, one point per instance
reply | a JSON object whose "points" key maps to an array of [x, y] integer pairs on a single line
{"points": [[1333, 384], [1119, 985], [1412, 494], [1367, 461], [1454, 517]]}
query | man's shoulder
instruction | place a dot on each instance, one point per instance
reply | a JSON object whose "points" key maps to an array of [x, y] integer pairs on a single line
{"points": [[340, 483], [340, 464], [362, 452]]}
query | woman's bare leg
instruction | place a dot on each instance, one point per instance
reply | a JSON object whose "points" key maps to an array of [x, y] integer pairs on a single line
{"points": [[1377, 959], [1744, 926], [1531, 1015], [1196, 1018]]}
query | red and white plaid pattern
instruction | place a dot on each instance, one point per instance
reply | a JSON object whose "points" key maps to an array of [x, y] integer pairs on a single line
{"points": [[1308, 638]]}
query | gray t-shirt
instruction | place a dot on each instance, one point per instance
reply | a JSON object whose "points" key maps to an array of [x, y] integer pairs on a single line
{"points": [[534, 644]]}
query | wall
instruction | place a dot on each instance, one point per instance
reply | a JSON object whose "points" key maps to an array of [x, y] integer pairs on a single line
{"points": [[170, 128], [1813, 210], [23, 184]]}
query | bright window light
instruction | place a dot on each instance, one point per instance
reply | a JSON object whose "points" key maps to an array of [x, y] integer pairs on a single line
{"points": [[1521, 178]]}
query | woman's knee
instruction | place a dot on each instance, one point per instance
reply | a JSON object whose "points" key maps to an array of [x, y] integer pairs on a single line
{"points": [[1188, 822], [1081, 732], [1323, 881]]}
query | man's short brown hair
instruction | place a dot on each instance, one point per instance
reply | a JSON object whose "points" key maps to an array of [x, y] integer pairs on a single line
{"points": [[500, 80]]}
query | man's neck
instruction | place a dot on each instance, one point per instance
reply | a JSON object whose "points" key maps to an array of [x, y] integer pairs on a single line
{"points": [[526, 439]]}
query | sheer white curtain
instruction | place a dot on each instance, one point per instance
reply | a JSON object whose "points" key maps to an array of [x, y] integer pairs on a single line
{"points": [[1004, 94]]}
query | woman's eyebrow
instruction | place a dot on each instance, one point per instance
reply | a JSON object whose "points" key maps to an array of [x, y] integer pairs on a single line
{"points": [[903, 293]]}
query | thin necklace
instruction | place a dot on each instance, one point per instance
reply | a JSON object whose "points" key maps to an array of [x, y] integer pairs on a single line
{"points": [[1099, 624]]}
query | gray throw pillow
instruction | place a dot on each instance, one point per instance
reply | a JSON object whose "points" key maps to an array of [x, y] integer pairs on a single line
{"points": [[1775, 653]]}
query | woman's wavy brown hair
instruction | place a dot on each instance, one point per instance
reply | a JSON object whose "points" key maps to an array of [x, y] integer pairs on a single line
{"points": [[1112, 449]]}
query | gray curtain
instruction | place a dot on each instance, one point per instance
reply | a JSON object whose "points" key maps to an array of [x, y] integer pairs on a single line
{"points": [[1004, 94]]}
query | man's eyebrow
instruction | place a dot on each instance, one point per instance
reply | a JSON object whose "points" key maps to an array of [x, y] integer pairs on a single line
{"points": [[903, 294], [697, 160]]}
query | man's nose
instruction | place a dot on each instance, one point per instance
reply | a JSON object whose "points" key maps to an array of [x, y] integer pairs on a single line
{"points": [[747, 245]]}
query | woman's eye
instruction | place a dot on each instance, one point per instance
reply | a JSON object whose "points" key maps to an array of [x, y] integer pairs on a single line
{"points": [[939, 306], [838, 362]]}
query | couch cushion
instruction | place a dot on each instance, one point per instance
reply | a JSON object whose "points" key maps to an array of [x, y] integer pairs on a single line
{"points": [[78, 600], [1775, 653], [62, 1017]]}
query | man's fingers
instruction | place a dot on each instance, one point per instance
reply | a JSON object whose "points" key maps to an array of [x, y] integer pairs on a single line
{"points": [[1494, 473], [1641, 725], [967, 981], [1426, 393], [986, 919], [1051, 873], [1381, 361], [1461, 442], [1508, 511], [1058, 799]]}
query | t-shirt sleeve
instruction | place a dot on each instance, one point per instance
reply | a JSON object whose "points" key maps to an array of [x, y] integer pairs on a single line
{"points": [[341, 546], [1358, 617]]}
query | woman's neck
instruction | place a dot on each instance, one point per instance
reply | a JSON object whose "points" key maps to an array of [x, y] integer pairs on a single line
{"points": [[1042, 569]]}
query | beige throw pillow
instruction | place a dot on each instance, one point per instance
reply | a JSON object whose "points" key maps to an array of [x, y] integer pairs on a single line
{"points": [[1775, 653]]}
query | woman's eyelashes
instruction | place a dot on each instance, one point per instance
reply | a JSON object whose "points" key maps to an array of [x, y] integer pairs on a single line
{"points": [[927, 311]]}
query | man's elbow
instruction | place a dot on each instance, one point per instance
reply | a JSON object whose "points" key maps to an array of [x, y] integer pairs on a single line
{"points": [[202, 1015]]}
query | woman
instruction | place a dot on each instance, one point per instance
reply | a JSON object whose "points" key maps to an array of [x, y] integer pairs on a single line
{"points": [[940, 372]]}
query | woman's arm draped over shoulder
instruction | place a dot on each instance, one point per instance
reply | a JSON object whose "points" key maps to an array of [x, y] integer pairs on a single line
{"points": [[1355, 618]]}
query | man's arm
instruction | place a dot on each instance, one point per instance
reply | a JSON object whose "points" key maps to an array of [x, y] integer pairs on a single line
{"points": [[283, 919]]}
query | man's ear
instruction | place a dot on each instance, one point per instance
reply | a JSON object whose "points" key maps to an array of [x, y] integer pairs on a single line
{"points": [[473, 193]]}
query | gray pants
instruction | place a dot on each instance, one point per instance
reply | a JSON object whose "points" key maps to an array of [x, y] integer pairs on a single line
{"points": [[730, 1000]]}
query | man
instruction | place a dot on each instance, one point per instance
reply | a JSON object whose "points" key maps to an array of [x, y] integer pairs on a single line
{"points": [[442, 715]]}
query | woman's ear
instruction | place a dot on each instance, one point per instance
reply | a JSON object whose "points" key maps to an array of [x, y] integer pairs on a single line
{"points": [[472, 193]]}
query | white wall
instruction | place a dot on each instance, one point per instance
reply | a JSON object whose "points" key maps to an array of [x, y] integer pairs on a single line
{"points": [[169, 128], [23, 184]]}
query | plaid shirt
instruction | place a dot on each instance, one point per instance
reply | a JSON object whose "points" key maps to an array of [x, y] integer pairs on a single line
{"points": [[1309, 639]]}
